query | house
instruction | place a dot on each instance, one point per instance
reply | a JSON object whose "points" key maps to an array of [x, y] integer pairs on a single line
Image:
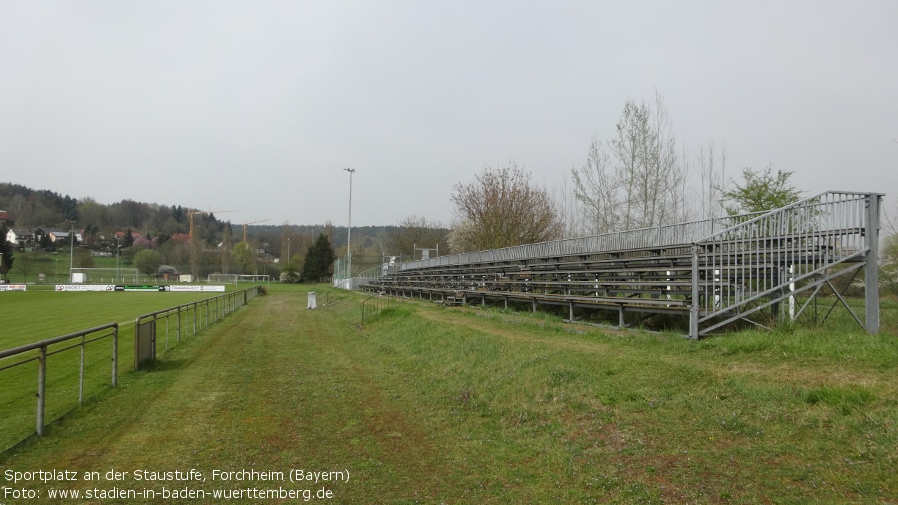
{"points": [[20, 236], [4, 218], [31, 237], [122, 234], [57, 235]]}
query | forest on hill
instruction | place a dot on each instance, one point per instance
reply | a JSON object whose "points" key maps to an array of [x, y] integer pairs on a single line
{"points": [[128, 226]]}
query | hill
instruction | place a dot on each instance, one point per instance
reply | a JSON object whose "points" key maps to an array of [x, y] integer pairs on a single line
{"points": [[105, 228]]}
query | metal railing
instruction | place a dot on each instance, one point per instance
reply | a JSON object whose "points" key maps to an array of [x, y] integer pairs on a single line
{"points": [[183, 321], [643, 238], [43, 348], [719, 270], [375, 303], [770, 259]]}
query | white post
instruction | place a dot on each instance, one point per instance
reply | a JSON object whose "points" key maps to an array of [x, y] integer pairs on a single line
{"points": [[791, 291], [71, 251], [349, 233], [117, 254]]}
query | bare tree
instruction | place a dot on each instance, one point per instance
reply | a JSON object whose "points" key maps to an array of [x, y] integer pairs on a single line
{"points": [[502, 208], [596, 186], [415, 231], [224, 248], [460, 238], [636, 179], [570, 210], [710, 169], [891, 223]]}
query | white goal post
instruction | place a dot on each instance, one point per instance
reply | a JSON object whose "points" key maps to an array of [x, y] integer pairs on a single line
{"points": [[222, 278], [81, 275], [256, 278]]}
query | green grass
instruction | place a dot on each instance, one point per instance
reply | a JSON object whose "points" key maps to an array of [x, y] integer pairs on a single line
{"points": [[32, 316], [429, 404]]}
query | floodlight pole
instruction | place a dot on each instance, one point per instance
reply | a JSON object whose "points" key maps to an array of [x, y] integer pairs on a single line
{"points": [[118, 252], [71, 251], [349, 232]]}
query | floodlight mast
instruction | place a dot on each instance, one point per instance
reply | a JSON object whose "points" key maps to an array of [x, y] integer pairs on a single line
{"points": [[349, 232], [71, 251]]}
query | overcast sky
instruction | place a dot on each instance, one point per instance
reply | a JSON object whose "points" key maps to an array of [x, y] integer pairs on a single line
{"points": [[258, 106]]}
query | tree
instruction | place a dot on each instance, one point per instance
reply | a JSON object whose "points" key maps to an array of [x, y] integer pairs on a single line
{"points": [[888, 268], [289, 275], [635, 180], [318, 260], [502, 208], [6, 252], [710, 167], [412, 232], [225, 248], [147, 261], [596, 186], [760, 191], [25, 261], [243, 254], [83, 259]]}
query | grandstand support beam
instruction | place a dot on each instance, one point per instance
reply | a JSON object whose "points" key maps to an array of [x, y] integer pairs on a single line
{"points": [[693, 309], [871, 270]]}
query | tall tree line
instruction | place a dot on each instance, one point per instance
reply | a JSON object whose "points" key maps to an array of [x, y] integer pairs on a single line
{"points": [[43, 208]]}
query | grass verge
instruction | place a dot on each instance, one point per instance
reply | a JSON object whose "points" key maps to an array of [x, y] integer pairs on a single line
{"points": [[431, 404]]}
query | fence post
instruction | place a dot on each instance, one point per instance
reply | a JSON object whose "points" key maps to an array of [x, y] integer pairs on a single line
{"points": [[115, 355], [871, 271], [41, 387], [81, 375], [693, 310]]}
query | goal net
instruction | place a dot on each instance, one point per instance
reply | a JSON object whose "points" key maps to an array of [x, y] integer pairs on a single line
{"points": [[256, 278], [107, 276], [222, 278]]}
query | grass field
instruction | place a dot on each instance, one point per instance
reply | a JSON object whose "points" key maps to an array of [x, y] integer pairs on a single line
{"points": [[429, 404], [37, 315], [54, 266]]}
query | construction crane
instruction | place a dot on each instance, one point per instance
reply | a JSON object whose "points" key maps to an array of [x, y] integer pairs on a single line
{"points": [[191, 212], [251, 222]]}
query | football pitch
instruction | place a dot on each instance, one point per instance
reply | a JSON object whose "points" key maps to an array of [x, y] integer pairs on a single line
{"points": [[36, 315]]}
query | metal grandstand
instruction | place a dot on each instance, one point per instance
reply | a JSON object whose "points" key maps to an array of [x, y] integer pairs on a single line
{"points": [[778, 265]]}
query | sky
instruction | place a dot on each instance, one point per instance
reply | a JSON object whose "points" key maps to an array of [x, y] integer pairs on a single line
{"points": [[258, 108]]}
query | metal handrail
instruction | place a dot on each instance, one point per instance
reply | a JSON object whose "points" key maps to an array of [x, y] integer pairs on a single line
{"points": [[42, 347], [214, 308], [643, 238]]}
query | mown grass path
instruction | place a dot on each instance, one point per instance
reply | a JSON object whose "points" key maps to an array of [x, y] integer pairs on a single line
{"points": [[435, 405], [273, 390]]}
